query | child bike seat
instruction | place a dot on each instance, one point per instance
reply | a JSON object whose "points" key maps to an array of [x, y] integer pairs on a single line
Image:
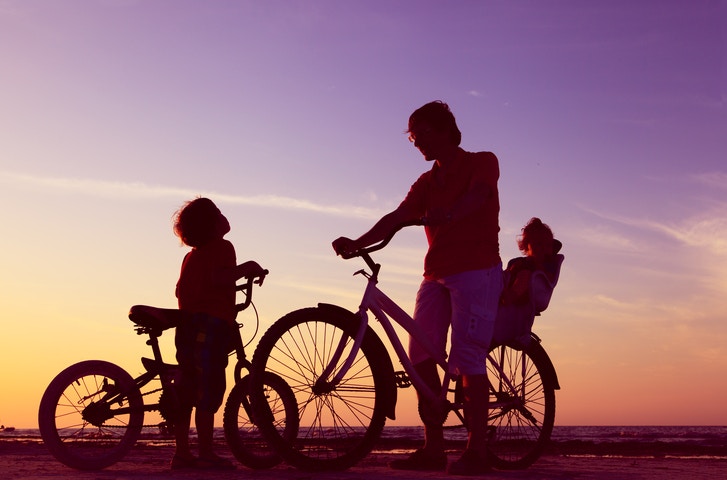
{"points": [[542, 286], [156, 318]]}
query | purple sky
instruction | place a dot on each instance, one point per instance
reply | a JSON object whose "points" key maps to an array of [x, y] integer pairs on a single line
{"points": [[608, 119]]}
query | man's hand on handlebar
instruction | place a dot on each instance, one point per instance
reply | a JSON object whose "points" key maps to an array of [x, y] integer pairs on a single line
{"points": [[345, 247], [376, 239]]}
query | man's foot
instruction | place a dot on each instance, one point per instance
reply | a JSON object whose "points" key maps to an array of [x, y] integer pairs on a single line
{"points": [[180, 462], [470, 463], [422, 460], [214, 462]]}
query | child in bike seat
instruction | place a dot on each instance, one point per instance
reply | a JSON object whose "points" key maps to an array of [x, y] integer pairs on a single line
{"points": [[206, 293], [518, 303]]}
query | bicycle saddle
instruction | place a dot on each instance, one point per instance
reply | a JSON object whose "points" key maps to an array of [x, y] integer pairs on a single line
{"points": [[153, 317]]}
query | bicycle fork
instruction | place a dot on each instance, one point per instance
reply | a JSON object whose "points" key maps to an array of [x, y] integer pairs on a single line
{"points": [[322, 385]]}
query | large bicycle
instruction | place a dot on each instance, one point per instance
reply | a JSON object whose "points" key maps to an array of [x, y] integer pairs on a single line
{"points": [[92, 412], [345, 384]]}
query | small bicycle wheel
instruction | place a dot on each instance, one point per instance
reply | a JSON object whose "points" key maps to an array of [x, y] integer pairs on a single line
{"points": [[522, 406], [241, 433], [339, 424], [91, 415]]}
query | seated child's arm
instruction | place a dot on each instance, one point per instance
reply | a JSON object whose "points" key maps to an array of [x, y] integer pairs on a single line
{"points": [[518, 288]]}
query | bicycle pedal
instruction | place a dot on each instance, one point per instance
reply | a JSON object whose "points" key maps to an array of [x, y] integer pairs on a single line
{"points": [[402, 379]]}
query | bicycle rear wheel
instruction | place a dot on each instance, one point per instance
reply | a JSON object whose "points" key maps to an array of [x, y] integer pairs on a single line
{"points": [[338, 424], [522, 406], [91, 415], [241, 433]]}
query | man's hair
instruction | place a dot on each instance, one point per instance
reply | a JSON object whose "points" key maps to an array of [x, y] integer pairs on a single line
{"points": [[437, 115], [195, 222]]}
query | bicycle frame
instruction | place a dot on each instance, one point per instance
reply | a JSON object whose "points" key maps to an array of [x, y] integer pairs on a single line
{"points": [[345, 386], [385, 310], [93, 411], [156, 323]]}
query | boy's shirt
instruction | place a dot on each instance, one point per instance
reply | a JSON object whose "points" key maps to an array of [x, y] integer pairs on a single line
{"points": [[199, 290]]}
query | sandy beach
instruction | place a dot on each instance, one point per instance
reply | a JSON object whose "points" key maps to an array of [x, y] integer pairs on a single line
{"points": [[32, 461]]}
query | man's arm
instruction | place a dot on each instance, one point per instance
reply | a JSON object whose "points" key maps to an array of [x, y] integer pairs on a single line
{"points": [[378, 232]]}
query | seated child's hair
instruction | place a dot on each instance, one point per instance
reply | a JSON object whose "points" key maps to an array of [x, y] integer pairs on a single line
{"points": [[195, 222], [534, 231]]}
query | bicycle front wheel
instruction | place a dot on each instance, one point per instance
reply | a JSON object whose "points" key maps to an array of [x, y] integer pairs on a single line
{"points": [[241, 433], [522, 405], [339, 424], [91, 415]]}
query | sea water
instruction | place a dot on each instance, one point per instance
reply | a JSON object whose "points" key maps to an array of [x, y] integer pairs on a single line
{"points": [[667, 441]]}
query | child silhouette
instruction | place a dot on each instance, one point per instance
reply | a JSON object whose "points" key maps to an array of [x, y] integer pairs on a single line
{"points": [[206, 294], [520, 302]]}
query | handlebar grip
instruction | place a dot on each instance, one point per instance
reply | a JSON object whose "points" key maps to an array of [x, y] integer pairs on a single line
{"points": [[261, 278], [378, 246]]}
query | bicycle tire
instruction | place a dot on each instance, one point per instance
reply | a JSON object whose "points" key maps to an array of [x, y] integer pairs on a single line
{"points": [[338, 427], [242, 435], [520, 422], [77, 418]]}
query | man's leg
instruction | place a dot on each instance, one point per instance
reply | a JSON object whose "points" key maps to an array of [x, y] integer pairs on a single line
{"points": [[431, 457], [433, 432], [475, 296], [431, 313], [476, 397]]}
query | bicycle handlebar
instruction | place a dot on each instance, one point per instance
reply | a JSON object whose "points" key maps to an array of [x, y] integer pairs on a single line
{"points": [[246, 288], [378, 246]]}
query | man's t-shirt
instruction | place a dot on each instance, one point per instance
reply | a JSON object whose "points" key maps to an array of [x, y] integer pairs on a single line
{"points": [[463, 244]]}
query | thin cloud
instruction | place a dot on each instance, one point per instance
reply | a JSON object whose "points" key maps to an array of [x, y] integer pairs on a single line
{"points": [[140, 190], [605, 239], [711, 179], [706, 230]]}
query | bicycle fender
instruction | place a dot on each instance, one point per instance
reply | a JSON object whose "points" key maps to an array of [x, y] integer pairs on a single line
{"points": [[381, 354], [537, 349]]}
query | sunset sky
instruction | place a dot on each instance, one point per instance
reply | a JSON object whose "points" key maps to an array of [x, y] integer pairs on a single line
{"points": [[608, 118]]}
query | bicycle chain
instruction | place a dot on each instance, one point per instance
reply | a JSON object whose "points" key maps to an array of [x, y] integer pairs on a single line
{"points": [[143, 394]]}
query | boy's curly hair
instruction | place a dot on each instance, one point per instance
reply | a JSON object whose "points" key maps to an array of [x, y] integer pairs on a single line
{"points": [[195, 222], [534, 228]]}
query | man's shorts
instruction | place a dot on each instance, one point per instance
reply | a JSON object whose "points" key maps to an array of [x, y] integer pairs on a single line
{"points": [[202, 346], [468, 303]]}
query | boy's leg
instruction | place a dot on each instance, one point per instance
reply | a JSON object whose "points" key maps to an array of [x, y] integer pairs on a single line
{"points": [[212, 361], [181, 434], [205, 423], [183, 457]]}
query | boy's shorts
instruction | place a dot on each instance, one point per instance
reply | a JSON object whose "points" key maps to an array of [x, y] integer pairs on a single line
{"points": [[468, 303], [202, 346]]}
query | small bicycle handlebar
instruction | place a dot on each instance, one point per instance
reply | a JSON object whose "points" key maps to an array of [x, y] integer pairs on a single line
{"points": [[246, 288]]}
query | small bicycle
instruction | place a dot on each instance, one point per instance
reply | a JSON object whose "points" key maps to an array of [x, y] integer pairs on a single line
{"points": [[345, 384], [92, 412]]}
